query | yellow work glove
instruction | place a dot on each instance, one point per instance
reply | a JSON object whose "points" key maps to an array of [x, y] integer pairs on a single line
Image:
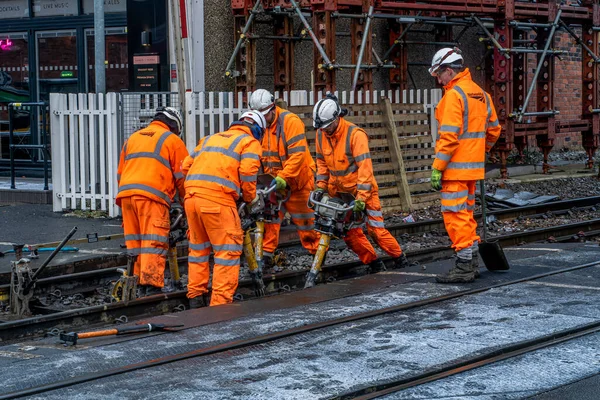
{"points": [[359, 205], [436, 179], [279, 182]]}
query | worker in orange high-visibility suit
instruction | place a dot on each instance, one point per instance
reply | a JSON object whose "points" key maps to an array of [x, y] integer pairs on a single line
{"points": [[223, 167], [468, 128], [149, 174], [286, 156], [344, 165]]}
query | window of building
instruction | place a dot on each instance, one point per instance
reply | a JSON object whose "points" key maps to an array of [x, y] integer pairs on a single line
{"points": [[46, 8], [14, 9], [110, 6], [117, 73], [14, 86], [57, 63]]}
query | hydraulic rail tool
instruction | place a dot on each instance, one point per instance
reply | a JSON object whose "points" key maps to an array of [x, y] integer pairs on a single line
{"points": [[178, 233], [254, 216], [333, 219]]}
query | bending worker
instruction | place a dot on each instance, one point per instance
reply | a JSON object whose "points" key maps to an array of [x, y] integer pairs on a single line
{"points": [[468, 128], [286, 156], [148, 175], [223, 167], [344, 165]]}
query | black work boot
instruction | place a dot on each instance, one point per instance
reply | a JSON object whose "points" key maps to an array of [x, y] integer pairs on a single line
{"points": [[475, 265], [401, 262], [149, 290], [377, 266], [462, 272], [198, 302]]}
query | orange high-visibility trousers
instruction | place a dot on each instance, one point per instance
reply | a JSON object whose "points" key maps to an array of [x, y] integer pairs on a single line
{"points": [[146, 225], [357, 242], [302, 216], [458, 203], [376, 227], [217, 227]]}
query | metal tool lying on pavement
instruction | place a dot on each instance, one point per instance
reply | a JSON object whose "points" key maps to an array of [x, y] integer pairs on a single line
{"points": [[254, 216], [72, 337], [333, 219]]}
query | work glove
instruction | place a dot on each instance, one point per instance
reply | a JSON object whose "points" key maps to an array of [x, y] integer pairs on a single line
{"points": [[279, 183], [359, 205], [319, 193], [436, 179]]}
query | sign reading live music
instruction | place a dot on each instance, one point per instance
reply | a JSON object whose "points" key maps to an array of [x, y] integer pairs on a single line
{"points": [[45, 8], [146, 69]]}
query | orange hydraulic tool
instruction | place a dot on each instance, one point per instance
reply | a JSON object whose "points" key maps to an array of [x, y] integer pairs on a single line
{"points": [[72, 337]]}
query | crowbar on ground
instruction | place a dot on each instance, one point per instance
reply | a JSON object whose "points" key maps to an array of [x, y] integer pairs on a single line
{"points": [[72, 337]]}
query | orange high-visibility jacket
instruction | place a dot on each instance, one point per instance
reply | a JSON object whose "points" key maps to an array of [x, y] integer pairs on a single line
{"points": [[344, 161], [150, 165], [285, 150], [468, 128], [224, 166]]}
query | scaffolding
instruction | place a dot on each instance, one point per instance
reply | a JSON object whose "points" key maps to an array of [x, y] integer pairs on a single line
{"points": [[505, 27]]}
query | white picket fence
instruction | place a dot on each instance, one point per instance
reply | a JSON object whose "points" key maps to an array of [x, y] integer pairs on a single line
{"points": [[85, 151], [88, 130]]}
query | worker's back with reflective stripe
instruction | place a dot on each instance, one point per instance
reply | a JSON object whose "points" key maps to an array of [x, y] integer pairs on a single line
{"points": [[150, 164], [464, 115], [223, 164]]}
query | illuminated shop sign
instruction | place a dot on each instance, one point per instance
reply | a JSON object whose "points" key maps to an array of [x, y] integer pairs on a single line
{"points": [[5, 44]]}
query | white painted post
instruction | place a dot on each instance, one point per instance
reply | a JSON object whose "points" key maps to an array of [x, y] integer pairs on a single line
{"points": [[57, 158], [190, 121]]}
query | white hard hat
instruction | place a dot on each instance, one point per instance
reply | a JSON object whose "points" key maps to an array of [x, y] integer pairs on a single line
{"points": [[445, 56], [261, 100], [325, 112], [171, 114], [257, 117]]}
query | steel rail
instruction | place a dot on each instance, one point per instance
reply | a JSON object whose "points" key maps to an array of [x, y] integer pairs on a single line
{"points": [[237, 344], [494, 356], [166, 302]]}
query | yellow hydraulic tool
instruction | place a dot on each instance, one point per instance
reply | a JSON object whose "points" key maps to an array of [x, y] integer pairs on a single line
{"points": [[333, 219], [177, 234], [125, 289], [254, 216]]}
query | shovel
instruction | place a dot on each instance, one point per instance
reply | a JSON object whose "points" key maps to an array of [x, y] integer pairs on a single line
{"points": [[490, 251]]}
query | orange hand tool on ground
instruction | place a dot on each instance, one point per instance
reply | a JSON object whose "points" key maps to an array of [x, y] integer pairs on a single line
{"points": [[72, 337]]}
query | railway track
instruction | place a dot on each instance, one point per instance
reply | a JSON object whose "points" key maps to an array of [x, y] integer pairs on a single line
{"points": [[58, 319], [366, 391], [54, 321]]}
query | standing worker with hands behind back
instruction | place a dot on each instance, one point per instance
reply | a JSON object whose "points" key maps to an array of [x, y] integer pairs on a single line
{"points": [[149, 174], [468, 128], [222, 168]]}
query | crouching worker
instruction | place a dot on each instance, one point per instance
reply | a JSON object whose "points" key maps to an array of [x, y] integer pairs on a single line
{"points": [[149, 174], [344, 165], [223, 167]]}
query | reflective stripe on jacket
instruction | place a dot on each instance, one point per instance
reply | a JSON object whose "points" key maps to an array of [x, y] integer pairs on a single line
{"points": [[150, 165], [344, 161], [286, 152], [468, 128], [224, 166]]}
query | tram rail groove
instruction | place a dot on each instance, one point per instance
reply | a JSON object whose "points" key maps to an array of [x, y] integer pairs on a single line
{"points": [[168, 302], [504, 353], [242, 343]]}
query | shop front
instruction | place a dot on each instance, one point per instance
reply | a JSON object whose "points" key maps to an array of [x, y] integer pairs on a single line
{"points": [[47, 46]]}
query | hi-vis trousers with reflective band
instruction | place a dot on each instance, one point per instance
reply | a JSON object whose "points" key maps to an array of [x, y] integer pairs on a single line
{"points": [[217, 227], [358, 242], [146, 226], [304, 219], [458, 203]]}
